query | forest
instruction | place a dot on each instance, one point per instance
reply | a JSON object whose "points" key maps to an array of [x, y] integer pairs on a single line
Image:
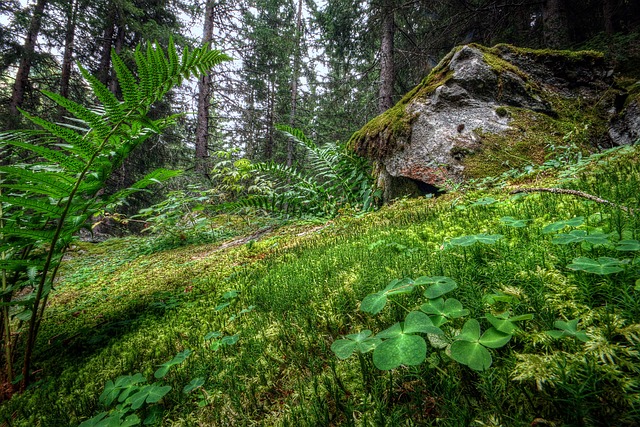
{"points": [[219, 213]]}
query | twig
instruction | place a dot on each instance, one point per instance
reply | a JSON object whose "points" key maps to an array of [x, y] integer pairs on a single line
{"points": [[574, 193]]}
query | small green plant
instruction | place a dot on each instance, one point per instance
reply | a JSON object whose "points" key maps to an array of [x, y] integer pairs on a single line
{"points": [[402, 343], [46, 201], [332, 179]]}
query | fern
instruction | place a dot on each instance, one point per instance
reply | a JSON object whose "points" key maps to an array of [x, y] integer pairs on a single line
{"points": [[333, 179], [44, 202]]}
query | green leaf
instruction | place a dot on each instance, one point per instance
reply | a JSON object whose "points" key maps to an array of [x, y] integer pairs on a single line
{"points": [[418, 322], [230, 339], [471, 354], [404, 349], [512, 222], [441, 285], [397, 286], [178, 359], [361, 342], [487, 239], [131, 420], [628, 245], [211, 335], [507, 324], [155, 393], [470, 331], [343, 348], [579, 236], [193, 384], [449, 309], [493, 338], [374, 303], [568, 329], [602, 265], [559, 225]]}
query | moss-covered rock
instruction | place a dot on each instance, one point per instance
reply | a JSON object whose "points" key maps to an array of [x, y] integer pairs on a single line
{"points": [[484, 110]]}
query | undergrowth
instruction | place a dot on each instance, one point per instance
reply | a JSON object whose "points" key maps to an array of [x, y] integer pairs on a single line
{"points": [[297, 289]]}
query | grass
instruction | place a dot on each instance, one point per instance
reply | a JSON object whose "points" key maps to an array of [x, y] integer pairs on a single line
{"points": [[119, 310]]}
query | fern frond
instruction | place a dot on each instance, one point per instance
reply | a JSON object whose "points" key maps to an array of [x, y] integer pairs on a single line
{"points": [[58, 157], [93, 120], [75, 143], [158, 176], [128, 85], [34, 235], [32, 204], [56, 185], [111, 104]]}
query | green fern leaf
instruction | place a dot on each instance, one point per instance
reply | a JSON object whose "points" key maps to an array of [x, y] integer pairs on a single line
{"points": [[127, 80], [33, 204], [93, 121], [58, 157], [34, 235], [111, 104]]}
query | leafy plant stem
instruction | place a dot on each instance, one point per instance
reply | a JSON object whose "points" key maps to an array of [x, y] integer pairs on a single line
{"points": [[5, 312]]}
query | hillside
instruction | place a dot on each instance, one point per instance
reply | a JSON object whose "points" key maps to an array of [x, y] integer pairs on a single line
{"points": [[241, 332]]}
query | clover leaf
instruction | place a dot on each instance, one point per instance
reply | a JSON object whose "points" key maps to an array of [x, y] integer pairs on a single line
{"points": [[441, 310], [440, 285], [401, 346], [469, 347], [567, 329], [361, 342], [579, 236], [628, 245], [374, 303], [559, 225], [178, 359], [487, 239], [602, 266], [512, 222]]}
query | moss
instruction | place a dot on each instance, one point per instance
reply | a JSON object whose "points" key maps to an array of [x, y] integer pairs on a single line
{"points": [[563, 55], [535, 137], [502, 112], [377, 138]]}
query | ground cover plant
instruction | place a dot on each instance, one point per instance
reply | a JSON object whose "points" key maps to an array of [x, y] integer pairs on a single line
{"points": [[479, 307]]}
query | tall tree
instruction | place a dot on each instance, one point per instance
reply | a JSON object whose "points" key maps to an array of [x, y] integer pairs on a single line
{"points": [[22, 76], [204, 98], [556, 30], [387, 66]]}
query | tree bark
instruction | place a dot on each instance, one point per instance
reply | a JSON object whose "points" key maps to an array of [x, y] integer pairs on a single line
{"points": [[67, 58], [294, 83], [555, 24], [387, 70], [204, 100], [22, 76], [609, 8], [104, 66]]}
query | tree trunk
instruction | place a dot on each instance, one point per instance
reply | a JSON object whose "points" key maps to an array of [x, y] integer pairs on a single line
{"points": [[119, 45], [555, 25], [67, 58], [204, 100], [22, 76], [609, 8], [294, 83], [104, 66], [387, 71]]}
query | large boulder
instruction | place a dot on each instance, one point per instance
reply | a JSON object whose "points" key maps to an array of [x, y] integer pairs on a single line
{"points": [[482, 111]]}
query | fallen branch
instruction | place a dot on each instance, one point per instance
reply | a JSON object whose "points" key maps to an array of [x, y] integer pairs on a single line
{"points": [[575, 193]]}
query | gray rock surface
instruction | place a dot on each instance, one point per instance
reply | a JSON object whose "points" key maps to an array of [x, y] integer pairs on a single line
{"points": [[446, 123]]}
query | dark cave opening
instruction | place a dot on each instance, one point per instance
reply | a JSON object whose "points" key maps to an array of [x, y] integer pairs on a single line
{"points": [[426, 189]]}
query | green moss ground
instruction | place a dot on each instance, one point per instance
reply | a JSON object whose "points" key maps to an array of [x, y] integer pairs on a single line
{"points": [[119, 311]]}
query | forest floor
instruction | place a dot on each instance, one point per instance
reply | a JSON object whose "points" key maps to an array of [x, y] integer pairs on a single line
{"points": [[265, 328]]}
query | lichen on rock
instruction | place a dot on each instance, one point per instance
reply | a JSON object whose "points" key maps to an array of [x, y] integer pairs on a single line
{"points": [[480, 107]]}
